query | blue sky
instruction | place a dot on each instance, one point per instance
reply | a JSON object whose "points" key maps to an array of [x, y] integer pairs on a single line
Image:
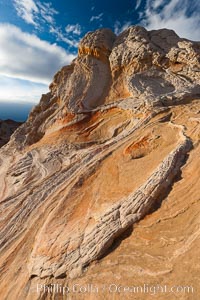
{"points": [[39, 37]]}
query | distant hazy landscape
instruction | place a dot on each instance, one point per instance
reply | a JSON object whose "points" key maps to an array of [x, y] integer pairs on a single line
{"points": [[15, 111]]}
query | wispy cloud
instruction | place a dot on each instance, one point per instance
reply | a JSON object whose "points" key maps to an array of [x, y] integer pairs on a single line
{"points": [[62, 37], [96, 18], [42, 15], [178, 15], [118, 27], [138, 3], [27, 10], [25, 56], [75, 29], [35, 13], [47, 12]]}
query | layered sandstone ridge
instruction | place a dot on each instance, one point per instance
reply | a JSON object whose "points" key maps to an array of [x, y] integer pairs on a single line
{"points": [[153, 67], [97, 239], [104, 175]]}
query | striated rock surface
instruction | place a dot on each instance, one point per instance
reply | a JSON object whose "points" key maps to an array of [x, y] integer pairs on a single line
{"points": [[103, 178]]}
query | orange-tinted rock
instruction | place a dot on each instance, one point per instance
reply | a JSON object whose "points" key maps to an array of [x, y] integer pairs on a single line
{"points": [[103, 178]]}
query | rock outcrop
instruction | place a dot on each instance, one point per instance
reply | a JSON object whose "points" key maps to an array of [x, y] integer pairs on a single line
{"points": [[7, 127], [114, 144]]}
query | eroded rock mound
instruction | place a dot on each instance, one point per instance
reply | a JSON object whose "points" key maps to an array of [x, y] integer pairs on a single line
{"points": [[104, 150]]}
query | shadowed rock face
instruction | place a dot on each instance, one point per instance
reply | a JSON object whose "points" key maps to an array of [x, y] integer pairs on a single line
{"points": [[7, 127], [115, 143]]}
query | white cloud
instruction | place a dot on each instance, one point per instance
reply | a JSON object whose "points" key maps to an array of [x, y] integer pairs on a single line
{"points": [[27, 10], [157, 3], [96, 18], [138, 3], [25, 56], [21, 91], [118, 27], [75, 29], [47, 12], [178, 15], [42, 15], [61, 37], [35, 13]]}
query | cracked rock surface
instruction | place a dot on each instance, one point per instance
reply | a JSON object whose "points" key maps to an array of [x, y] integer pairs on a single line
{"points": [[103, 178]]}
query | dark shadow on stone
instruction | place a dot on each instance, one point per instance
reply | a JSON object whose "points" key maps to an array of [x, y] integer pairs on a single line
{"points": [[185, 100], [157, 204], [164, 196], [126, 234]]}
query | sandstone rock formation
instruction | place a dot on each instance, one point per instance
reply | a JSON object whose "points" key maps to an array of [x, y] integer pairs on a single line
{"points": [[114, 144]]}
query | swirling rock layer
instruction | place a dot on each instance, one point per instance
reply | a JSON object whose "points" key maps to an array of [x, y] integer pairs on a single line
{"points": [[114, 144]]}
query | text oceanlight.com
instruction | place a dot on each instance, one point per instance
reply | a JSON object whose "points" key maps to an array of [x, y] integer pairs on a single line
{"points": [[114, 288]]}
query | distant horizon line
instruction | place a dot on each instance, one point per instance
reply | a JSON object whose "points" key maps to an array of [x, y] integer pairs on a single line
{"points": [[19, 102]]}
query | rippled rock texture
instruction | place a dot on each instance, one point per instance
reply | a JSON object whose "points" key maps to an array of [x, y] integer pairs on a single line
{"points": [[103, 178]]}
